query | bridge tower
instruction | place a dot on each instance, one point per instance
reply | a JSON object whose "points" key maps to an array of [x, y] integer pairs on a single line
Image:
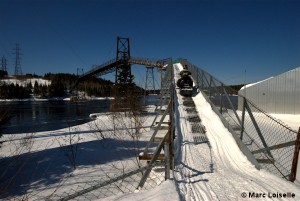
{"points": [[124, 87], [123, 67], [149, 84]]}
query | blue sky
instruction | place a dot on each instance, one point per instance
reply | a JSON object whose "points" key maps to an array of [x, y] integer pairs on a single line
{"points": [[225, 38]]}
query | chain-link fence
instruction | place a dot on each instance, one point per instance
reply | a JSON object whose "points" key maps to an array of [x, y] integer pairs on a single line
{"points": [[61, 164], [116, 186], [271, 142], [87, 162]]}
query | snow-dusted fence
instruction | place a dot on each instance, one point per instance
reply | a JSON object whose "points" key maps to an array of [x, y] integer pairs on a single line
{"points": [[270, 141], [165, 141], [146, 176], [91, 161], [106, 162]]}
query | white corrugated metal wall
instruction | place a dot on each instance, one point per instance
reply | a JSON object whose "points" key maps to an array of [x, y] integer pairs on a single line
{"points": [[279, 95]]}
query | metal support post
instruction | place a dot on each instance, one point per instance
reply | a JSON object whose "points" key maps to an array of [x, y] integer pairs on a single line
{"points": [[295, 159], [221, 99], [258, 129], [167, 160], [153, 159], [231, 105], [243, 118], [197, 77], [202, 79], [210, 82]]}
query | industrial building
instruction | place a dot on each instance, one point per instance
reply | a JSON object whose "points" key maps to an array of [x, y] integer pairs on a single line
{"points": [[277, 95]]}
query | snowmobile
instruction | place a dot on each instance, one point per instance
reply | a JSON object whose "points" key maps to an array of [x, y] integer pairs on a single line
{"points": [[185, 83]]}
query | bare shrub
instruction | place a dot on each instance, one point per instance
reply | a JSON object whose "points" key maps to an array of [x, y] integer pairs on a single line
{"points": [[5, 117], [69, 144], [12, 165]]}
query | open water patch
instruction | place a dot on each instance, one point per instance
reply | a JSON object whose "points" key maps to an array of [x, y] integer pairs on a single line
{"points": [[37, 116]]}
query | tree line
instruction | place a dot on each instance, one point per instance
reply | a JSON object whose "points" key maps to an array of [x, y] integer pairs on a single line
{"points": [[60, 86]]}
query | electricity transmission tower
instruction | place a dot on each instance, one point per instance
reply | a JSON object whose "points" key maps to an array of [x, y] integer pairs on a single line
{"points": [[18, 69], [3, 64]]}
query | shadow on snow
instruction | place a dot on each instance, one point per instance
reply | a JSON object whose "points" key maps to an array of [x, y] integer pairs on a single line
{"points": [[50, 166]]}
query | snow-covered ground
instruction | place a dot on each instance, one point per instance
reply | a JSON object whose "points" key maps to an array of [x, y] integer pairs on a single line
{"points": [[212, 169], [291, 120], [38, 166], [218, 170]]}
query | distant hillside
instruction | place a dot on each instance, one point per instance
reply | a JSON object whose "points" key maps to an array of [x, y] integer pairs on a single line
{"points": [[92, 86], [53, 85], [50, 85], [236, 87]]}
